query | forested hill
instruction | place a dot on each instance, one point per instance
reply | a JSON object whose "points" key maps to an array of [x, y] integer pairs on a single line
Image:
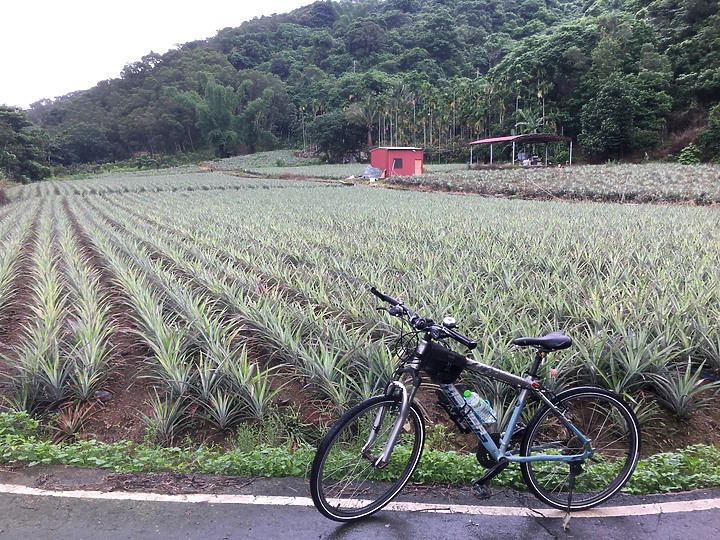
{"points": [[622, 77]]}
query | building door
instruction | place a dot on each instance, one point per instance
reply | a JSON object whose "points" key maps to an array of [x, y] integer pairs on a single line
{"points": [[418, 166]]}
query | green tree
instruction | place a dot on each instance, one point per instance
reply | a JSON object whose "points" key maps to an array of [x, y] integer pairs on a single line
{"points": [[22, 147], [690, 155], [320, 14], [83, 143], [217, 116], [653, 84], [438, 35], [407, 6], [365, 37], [252, 121], [528, 121], [216, 113], [607, 60], [335, 136], [366, 114], [608, 120], [688, 32], [709, 139]]}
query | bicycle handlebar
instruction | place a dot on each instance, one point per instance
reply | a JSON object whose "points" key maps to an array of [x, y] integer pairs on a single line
{"points": [[422, 323], [469, 343], [385, 298]]}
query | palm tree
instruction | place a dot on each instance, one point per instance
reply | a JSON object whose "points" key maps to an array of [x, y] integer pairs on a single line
{"points": [[366, 114], [528, 121]]}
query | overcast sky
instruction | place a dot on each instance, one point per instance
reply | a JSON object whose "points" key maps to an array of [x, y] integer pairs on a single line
{"points": [[49, 48]]}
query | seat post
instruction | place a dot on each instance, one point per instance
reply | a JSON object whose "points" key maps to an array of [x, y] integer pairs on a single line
{"points": [[539, 357]]}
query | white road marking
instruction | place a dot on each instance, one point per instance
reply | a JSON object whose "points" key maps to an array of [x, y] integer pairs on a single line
{"points": [[610, 511]]}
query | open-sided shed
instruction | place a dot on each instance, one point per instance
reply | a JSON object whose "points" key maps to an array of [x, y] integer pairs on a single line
{"points": [[527, 138], [397, 161]]}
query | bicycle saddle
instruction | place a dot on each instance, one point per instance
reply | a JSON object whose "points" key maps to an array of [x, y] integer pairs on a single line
{"points": [[553, 341]]}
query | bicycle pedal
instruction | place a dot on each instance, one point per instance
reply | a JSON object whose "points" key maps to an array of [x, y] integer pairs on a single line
{"points": [[491, 473], [481, 491]]}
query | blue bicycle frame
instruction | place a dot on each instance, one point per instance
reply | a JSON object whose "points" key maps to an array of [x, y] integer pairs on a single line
{"points": [[528, 387]]}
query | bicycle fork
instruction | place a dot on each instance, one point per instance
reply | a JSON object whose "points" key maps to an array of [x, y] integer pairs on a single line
{"points": [[406, 398]]}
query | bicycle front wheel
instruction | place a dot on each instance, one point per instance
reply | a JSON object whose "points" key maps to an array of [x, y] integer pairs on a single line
{"points": [[608, 422], [344, 482]]}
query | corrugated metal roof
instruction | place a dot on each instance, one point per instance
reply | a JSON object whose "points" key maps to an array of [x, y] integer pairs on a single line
{"points": [[396, 148], [528, 137]]}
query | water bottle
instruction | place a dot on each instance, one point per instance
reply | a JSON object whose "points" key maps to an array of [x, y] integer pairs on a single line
{"points": [[481, 406]]}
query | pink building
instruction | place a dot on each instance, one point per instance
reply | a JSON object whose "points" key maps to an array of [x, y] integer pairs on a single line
{"points": [[395, 161]]}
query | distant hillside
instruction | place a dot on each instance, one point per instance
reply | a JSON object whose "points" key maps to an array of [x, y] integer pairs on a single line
{"points": [[620, 77]]}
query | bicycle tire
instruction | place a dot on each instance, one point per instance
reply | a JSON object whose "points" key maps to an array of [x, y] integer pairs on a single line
{"points": [[613, 428], [344, 484]]}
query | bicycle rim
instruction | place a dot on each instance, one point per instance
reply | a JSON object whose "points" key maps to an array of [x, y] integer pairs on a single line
{"points": [[345, 484], [613, 429]]}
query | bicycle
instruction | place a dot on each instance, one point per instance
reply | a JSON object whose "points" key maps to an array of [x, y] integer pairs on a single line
{"points": [[577, 450]]}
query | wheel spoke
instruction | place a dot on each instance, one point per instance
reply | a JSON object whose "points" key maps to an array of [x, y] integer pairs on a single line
{"points": [[613, 431], [344, 482]]}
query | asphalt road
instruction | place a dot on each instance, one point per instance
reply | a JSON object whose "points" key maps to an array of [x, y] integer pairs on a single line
{"points": [[59, 503]]}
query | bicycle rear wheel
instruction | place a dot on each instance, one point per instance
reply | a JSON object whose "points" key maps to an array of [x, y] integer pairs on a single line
{"points": [[344, 482], [608, 422]]}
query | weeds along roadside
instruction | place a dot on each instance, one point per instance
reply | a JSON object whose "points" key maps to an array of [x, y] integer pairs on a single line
{"points": [[22, 442]]}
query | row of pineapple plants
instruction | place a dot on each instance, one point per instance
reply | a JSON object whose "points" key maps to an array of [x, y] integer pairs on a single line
{"points": [[196, 361], [15, 225], [218, 276], [41, 370], [64, 350], [293, 334], [140, 182], [638, 296]]}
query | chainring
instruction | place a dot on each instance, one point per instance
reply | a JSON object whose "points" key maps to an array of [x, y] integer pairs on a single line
{"points": [[483, 456]]}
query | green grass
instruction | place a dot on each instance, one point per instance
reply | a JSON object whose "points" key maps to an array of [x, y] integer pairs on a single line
{"points": [[262, 160], [695, 467]]}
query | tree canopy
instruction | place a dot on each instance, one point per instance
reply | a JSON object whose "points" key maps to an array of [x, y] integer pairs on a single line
{"points": [[21, 147], [618, 76]]}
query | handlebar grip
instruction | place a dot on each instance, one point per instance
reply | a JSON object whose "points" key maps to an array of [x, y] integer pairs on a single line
{"points": [[384, 297], [469, 343]]}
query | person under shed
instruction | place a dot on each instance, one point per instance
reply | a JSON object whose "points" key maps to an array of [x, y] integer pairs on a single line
{"points": [[542, 138]]}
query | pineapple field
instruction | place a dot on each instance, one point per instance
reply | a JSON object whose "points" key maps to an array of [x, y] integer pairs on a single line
{"points": [[190, 303]]}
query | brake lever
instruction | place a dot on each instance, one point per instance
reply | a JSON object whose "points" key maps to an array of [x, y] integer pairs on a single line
{"points": [[435, 333], [422, 323]]}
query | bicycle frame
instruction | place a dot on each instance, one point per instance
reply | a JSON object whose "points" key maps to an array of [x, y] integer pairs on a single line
{"points": [[405, 401], [527, 387]]}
